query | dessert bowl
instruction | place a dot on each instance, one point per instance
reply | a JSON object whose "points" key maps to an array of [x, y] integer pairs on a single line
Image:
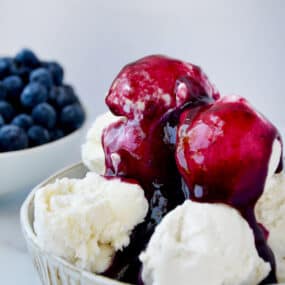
{"points": [[54, 270], [161, 167], [22, 169]]}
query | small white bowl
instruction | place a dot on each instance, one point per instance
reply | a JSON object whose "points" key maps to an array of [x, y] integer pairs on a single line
{"points": [[23, 169], [52, 269]]}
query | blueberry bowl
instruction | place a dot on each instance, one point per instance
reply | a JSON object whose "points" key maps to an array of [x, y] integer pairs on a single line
{"points": [[41, 120], [21, 170]]}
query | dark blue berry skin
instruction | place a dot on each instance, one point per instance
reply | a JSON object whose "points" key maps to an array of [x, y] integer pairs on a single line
{"points": [[56, 71], [38, 135], [72, 117], [14, 86], [33, 94], [34, 99], [12, 138], [22, 71], [68, 89], [65, 97], [42, 76], [2, 122], [3, 91], [45, 115], [6, 111], [26, 57], [23, 121], [56, 134], [5, 65], [53, 94]]}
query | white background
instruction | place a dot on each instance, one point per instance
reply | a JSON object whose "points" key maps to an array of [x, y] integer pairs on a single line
{"points": [[240, 45]]}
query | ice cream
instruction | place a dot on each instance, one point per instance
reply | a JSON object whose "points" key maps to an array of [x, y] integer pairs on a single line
{"points": [[270, 211], [274, 161], [92, 152], [200, 243], [94, 158], [180, 141], [87, 220], [223, 152], [150, 93], [223, 149]]}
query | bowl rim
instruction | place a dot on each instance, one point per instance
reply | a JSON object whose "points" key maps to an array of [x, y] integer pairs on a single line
{"points": [[30, 236], [46, 145]]}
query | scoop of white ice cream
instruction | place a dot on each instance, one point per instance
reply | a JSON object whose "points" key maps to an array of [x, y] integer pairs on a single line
{"points": [[199, 243], [92, 152], [86, 221], [274, 160], [270, 211]]}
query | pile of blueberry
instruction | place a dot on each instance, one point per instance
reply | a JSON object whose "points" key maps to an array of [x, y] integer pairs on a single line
{"points": [[36, 107]]}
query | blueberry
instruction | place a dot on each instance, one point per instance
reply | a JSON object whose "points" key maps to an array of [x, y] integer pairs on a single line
{"points": [[2, 122], [22, 71], [14, 86], [72, 117], [65, 97], [56, 134], [68, 89], [12, 138], [44, 115], [56, 72], [7, 111], [53, 94], [26, 57], [5, 64], [33, 94], [38, 135], [43, 76], [3, 91], [23, 121]]}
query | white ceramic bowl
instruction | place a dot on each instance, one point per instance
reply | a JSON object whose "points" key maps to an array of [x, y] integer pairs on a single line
{"points": [[23, 169], [54, 270]]}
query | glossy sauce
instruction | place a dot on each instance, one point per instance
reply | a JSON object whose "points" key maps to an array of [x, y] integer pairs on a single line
{"points": [[223, 152], [218, 162], [151, 93]]}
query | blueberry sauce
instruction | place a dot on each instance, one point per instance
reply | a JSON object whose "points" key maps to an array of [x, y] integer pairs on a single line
{"points": [[179, 140], [151, 94], [154, 85], [223, 152]]}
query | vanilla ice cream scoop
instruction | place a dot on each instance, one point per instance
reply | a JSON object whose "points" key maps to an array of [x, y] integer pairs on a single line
{"points": [[270, 211], [86, 221], [92, 152], [200, 243], [276, 155]]}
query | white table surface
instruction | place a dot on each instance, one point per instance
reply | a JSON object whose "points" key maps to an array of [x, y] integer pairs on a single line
{"points": [[16, 266]]}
